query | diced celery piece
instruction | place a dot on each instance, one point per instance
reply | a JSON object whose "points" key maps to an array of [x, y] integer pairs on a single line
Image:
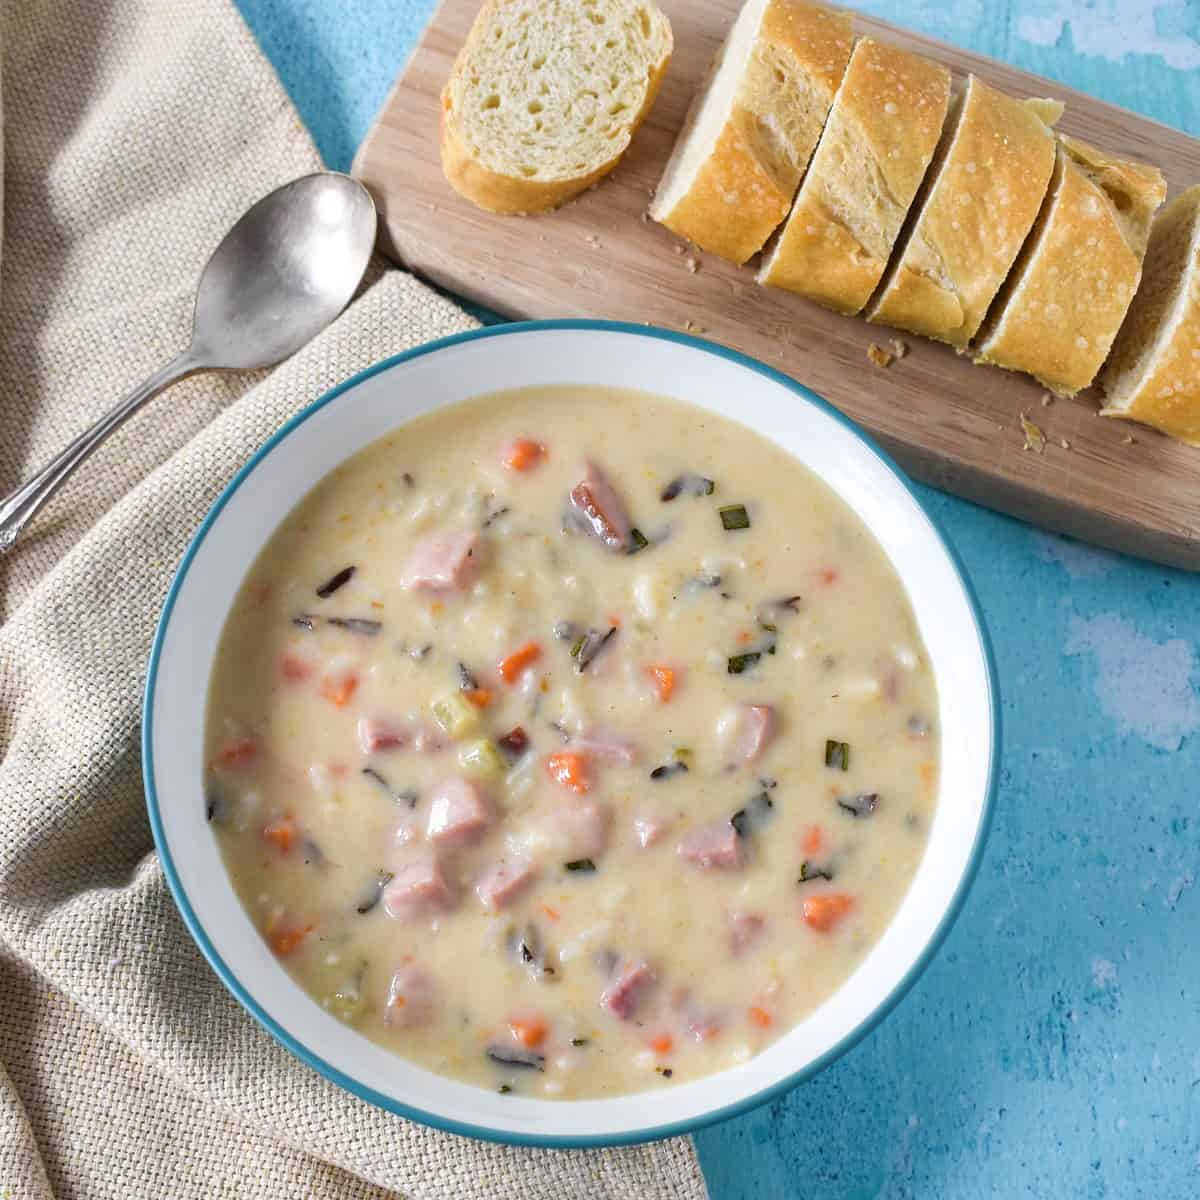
{"points": [[482, 758], [455, 714], [346, 1001]]}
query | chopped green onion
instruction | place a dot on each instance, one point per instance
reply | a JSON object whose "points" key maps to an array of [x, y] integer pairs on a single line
{"points": [[837, 754], [739, 662], [639, 540], [862, 805], [579, 1041], [504, 1089], [734, 516], [575, 649], [580, 864]]}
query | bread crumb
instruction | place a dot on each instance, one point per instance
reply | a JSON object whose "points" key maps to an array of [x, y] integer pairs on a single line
{"points": [[692, 265], [691, 327], [679, 247], [593, 241], [899, 348], [879, 356], [1064, 443], [1047, 399], [1035, 439], [1128, 440], [645, 217]]}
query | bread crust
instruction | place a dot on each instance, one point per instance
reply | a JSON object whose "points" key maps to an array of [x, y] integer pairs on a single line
{"points": [[506, 194], [980, 208], [742, 191], [1167, 395], [1058, 314], [888, 117]]}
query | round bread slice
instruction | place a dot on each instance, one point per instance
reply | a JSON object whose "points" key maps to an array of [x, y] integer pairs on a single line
{"points": [[751, 130], [545, 96], [980, 200], [881, 134], [1153, 373], [1059, 310]]}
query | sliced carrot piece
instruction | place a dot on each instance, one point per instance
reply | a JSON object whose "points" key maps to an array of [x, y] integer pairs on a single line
{"points": [[238, 753], [284, 941], [281, 833], [828, 575], [662, 1043], [744, 637], [570, 770], [523, 454], [822, 912], [663, 679], [928, 773], [339, 690], [293, 668], [480, 697], [814, 839], [510, 668], [552, 913], [759, 1016], [529, 1031]]}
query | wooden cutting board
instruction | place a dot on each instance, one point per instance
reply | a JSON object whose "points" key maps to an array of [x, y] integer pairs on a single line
{"points": [[948, 422]]}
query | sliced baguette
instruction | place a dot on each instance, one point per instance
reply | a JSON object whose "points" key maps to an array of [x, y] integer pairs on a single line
{"points": [[751, 130], [1153, 373], [877, 144], [545, 96], [1060, 308], [980, 200]]}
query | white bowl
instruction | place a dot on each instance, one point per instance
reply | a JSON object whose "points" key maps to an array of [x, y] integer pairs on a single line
{"points": [[555, 352]]}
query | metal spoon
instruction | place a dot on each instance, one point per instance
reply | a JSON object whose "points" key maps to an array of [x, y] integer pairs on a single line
{"points": [[283, 272]]}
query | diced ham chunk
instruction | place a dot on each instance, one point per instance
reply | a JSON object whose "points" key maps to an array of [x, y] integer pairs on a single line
{"points": [[649, 829], [601, 506], [443, 562], [410, 998], [607, 749], [712, 846], [459, 813], [504, 881], [623, 996], [745, 928], [374, 735], [418, 888], [579, 828], [748, 730]]}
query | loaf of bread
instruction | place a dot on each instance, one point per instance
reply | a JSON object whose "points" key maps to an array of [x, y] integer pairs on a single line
{"points": [[545, 96], [1062, 304], [1153, 373], [751, 130], [877, 144], [979, 202]]}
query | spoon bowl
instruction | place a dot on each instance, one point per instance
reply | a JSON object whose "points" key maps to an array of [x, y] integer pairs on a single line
{"points": [[283, 272]]}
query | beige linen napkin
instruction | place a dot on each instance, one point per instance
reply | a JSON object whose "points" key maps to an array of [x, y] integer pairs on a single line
{"points": [[135, 133]]}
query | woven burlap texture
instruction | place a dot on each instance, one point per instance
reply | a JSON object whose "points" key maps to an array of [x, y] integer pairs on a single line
{"points": [[134, 134]]}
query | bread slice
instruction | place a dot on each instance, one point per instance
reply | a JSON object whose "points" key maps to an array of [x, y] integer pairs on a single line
{"points": [[1153, 374], [1059, 310], [881, 134], [980, 200], [751, 129], [545, 96]]}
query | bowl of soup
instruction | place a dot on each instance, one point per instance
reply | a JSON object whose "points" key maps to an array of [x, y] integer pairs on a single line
{"points": [[569, 733]]}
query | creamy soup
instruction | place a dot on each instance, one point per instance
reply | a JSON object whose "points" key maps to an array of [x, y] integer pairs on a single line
{"points": [[571, 742]]}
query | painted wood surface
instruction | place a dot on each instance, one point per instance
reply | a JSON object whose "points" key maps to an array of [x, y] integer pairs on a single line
{"points": [[1051, 1050], [948, 423]]}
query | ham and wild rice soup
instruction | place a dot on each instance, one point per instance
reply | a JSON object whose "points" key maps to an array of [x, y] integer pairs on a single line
{"points": [[571, 742]]}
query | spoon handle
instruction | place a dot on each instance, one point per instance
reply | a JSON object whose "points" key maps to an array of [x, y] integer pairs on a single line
{"points": [[18, 508]]}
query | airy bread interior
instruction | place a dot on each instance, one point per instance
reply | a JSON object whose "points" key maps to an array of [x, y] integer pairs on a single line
{"points": [[552, 89], [1172, 263], [709, 112]]}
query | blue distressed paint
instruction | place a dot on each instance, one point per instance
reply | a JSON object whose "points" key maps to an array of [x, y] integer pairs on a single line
{"points": [[1053, 1048]]}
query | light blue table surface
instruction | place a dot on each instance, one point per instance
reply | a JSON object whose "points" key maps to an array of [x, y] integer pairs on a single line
{"points": [[1053, 1046]]}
